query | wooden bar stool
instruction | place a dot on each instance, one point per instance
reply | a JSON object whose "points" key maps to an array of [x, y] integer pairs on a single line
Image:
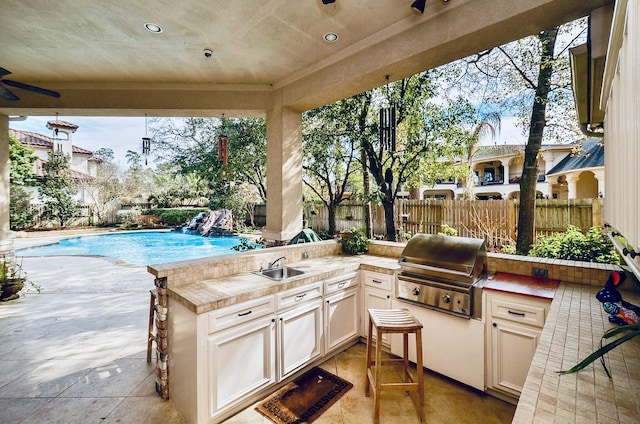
{"points": [[151, 336], [398, 321]]}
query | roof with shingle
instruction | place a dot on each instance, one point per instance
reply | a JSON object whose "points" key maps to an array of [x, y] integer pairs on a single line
{"points": [[588, 154], [62, 124], [41, 140]]}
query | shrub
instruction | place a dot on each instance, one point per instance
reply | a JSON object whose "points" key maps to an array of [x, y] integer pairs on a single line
{"points": [[573, 245], [354, 243]]}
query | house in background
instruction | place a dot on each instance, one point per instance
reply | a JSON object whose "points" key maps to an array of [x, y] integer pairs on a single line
{"points": [[564, 172], [83, 165]]}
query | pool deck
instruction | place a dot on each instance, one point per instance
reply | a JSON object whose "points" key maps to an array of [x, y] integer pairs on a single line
{"points": [[76, 353]]}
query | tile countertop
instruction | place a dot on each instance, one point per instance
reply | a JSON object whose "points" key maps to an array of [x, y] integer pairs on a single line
{"points": [[207, 295], [572, 331]]}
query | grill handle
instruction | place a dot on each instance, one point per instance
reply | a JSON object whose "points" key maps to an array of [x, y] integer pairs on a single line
{"points": [[404, 263]]}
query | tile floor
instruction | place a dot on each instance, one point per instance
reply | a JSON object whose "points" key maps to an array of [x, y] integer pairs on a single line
{"points": [[77, 354]]}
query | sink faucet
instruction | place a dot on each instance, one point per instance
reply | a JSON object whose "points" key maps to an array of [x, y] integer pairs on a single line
{"points": [[273, 264]]}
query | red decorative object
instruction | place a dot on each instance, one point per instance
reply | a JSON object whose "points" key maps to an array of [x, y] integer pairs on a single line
{"points": [[223, 152]]}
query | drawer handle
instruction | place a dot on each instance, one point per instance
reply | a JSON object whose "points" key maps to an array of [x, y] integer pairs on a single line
{"points": [[376, 281], [342, 284], [244, 314], [300, 297], [519, 314]]}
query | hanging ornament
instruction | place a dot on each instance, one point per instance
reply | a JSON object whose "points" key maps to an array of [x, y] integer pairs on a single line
{"points": [[146, 141], [223, 153], [388, 125]]}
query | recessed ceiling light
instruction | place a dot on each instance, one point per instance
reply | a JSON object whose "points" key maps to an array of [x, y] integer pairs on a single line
{"points": [[331, 37], [151, 27]]}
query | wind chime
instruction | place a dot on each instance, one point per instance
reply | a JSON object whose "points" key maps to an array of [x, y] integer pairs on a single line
{"points": [[388, 125], [146, 141], [223, 148]]}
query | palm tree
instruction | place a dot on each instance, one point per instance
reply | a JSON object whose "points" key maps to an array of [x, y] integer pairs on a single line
{"points": [[487, 124]]}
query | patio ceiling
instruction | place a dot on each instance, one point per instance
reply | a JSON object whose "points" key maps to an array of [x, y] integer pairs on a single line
{"points": [[103, 61]]}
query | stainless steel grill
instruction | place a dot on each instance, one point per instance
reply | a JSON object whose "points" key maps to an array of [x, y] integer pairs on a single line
{"points": [[444, 273]]}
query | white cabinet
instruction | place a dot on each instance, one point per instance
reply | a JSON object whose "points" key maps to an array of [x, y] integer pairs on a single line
{"points": [[299, 331], [514, 328], [377, 294], [341, 312], [240, 351]]}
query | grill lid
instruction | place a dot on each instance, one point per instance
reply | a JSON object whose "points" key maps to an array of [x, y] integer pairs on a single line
{"points": [[458, 258]]}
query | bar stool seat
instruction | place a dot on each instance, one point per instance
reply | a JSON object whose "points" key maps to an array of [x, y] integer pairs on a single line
{"points": [[398, 321], [151, 336]]}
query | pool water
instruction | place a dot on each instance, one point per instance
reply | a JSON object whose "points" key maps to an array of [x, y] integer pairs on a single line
{"points": [[139, 248]]}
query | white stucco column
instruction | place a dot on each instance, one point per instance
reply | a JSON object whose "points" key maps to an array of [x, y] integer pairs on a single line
{"points": [[505, 177], [6, 236], [600, 177], [284, 172], [572, 182]]}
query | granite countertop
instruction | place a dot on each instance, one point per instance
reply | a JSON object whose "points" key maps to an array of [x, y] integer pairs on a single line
{"points": [[206, 295], [572, 331]]}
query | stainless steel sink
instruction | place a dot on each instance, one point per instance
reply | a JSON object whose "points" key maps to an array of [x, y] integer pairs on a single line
{"points": [[280, 273]]}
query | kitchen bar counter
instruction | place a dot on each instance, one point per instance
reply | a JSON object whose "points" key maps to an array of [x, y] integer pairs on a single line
{"points": [[572, 331], [206, 295]]}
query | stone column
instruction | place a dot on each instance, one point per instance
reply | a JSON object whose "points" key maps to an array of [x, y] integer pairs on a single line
{"points": [[6, 235], [572, 181], [600, 177], [505, 170], [284, 173]]}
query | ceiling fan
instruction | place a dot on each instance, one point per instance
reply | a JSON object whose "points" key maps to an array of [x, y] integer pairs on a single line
{"points": [[8, 95]]}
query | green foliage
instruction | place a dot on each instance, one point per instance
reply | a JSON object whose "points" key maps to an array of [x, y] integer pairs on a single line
{"points": [[244, 245], [355, 242], [174, 216], [13, 280], [447, 230], [57, 190], [20, 212], [573, 245], [22, 159]]}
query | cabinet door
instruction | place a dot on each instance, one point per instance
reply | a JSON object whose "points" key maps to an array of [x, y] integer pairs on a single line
{"points": [[241, 361], [375, 299], [341, 318], [512, 349], [300, 337]]}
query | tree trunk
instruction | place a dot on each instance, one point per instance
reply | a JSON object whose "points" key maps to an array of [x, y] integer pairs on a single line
{"points": [[526, 214], [390, 223], [331, 207]]}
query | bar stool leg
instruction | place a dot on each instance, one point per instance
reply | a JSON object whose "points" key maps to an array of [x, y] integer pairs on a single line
{"points": [[420, 371], [367, 386], [378, 389], [150, 335]]}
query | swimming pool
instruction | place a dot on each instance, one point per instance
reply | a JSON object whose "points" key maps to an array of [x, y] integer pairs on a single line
{"points": [[139, 248]]}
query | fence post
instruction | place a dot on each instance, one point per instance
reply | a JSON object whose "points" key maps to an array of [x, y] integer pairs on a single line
{"points": [[596, 217], [512, 220]]}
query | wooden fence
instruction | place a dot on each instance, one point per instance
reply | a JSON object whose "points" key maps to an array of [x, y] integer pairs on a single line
{"points": [[494, 220]]}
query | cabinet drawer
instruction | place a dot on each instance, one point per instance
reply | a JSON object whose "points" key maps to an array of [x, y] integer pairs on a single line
{"points": [[342, 282], [518, 309], [240, 313], [298, 295], [376, 279]]}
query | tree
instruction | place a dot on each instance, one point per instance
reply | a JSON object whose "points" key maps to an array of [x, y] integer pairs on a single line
{"points": [[57, 189], [105, 190], [329, 146], [528, 78], [21, 175], [421, 141]]}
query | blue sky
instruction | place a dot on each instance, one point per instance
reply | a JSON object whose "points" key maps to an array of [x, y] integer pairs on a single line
{"points": [[125, 133]]}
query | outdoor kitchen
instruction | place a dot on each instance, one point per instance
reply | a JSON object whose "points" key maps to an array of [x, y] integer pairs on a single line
{"points": [[465, 305]]}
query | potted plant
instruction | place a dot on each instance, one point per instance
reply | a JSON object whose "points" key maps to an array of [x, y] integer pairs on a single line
{"points": [[12, 279], [354, 242]]}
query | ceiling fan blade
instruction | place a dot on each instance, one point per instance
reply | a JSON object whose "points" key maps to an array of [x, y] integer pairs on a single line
{"points": [[4, 72], [7, 95], [33, 88]]}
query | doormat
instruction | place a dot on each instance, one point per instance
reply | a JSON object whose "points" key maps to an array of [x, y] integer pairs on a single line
{"points": [[304, 399]]}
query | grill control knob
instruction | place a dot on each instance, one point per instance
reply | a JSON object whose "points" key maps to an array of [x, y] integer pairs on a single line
{"points": [[416, 291], [446, 298]]}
